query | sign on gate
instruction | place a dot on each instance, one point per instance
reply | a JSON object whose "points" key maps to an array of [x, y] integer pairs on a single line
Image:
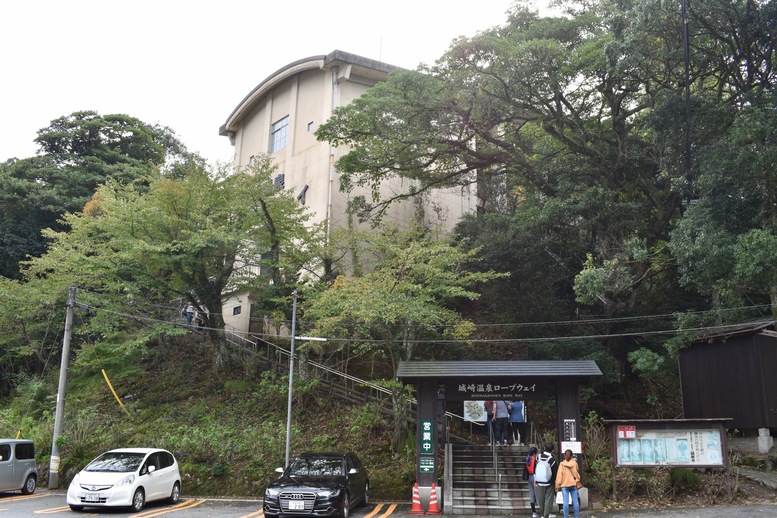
{"points": [[427, 437], [426, 464]]}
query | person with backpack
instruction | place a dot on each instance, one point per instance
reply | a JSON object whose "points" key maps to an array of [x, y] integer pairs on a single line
{"points": [[545, 481], [529, 468]]}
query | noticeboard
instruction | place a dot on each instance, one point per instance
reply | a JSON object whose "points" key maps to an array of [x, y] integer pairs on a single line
{"points": [[646, 446], [655, 443]]}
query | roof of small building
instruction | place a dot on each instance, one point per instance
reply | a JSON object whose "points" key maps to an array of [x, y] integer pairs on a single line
{"points": [[725, 332], [409, 370]]}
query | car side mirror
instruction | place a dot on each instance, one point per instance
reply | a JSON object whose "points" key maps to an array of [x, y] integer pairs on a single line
{"points": [[353, 471], [279, 470], [151, 469]]}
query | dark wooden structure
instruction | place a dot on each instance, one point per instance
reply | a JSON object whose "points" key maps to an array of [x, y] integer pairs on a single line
{"points": [[732, 375], [483, 380]]}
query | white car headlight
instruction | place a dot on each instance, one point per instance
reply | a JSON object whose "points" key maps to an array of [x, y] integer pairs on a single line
{"points": [[324, 493], [271, 492], [126, 481]]}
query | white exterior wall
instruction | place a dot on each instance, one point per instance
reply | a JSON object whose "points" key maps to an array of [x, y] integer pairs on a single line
{"points": [[307, 91], [236, 323]]}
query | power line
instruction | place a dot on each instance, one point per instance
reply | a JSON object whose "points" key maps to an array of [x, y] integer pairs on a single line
{"points": [[663, 332]]}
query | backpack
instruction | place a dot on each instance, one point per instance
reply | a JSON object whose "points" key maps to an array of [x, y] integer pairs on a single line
{"points": [[531, 465], [542, 471]]}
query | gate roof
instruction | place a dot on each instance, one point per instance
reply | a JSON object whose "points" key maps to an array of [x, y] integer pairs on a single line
{"points": [[413, 370]]}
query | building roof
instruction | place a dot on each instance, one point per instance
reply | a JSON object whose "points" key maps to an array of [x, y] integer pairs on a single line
{"points": [[411, 370], [366, 67], [725, 332]]}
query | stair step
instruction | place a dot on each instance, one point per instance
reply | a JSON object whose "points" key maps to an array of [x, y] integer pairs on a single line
{"points": [[473, 485]]}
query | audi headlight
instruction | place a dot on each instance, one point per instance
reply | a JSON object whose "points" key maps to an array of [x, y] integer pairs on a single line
{"points": [[328, 493], [271, 492], [126, 481]]}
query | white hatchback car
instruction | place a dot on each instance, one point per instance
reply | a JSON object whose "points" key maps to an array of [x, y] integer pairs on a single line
{"points": [[127, 477]]}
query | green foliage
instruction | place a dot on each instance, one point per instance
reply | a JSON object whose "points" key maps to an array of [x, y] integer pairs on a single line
{"points": [[140, 250], [407, 295], [237, 387], [597, 460], [652, 483], [645, 362], [683, 479], [366, 420], [77, 153], [84, 436], [219, 469]]}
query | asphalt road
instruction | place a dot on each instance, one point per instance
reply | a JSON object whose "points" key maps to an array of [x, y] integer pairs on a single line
{"points": [[13, 505], [48, 503]]}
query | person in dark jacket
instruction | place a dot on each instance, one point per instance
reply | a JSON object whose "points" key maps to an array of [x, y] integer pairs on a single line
{"points": [[489, 408]]}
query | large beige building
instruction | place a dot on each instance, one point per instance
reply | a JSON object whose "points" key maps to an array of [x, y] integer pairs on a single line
{"points": [[280, 116]]}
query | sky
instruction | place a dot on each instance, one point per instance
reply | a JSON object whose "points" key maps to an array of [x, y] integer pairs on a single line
{"points": [[187, 64]]}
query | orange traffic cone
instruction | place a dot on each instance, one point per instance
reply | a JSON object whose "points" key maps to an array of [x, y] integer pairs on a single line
{"points": [[433, 507], [416, 507]]}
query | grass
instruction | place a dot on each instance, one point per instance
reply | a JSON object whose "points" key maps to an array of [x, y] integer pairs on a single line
{"points": [[227, 431]]}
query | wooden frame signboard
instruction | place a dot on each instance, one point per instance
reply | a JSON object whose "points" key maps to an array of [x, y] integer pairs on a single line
{"points": [[653, 443]]}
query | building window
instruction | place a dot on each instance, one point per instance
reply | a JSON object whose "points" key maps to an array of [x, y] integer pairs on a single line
{"points": [[279, 181], [311, 127], [237, 310], [251, 159], [279, 134]]}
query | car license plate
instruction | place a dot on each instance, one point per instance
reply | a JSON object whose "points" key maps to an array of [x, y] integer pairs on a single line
{"points": [[92, 497], [296, 506]]}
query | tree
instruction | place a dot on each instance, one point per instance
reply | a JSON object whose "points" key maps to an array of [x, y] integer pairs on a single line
{"points": [[553, 117], [408, 296], [725, 242], [77, 153], [405, 304], [192, 236]]}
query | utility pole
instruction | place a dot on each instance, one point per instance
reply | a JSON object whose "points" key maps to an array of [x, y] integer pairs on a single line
{"points": [[60, 412], [687, 59], [291, 375]]}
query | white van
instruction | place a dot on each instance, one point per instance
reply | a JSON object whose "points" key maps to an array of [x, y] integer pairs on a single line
{"points": [[17, 466]]}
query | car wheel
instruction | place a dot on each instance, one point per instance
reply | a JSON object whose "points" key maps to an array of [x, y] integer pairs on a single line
{"points": [[366, 500], [77, 508], [29, 485], [345, 512], [138, 500], [175, 496]]}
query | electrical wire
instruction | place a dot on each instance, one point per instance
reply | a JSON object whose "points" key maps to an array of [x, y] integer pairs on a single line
{"points": [[663, 332]]}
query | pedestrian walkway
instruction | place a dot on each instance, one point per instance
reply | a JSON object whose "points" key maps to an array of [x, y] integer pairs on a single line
{"points": [[767, 478]]}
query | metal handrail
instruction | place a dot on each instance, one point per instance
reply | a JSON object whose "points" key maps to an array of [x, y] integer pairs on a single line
{"points": [[242, 340], [495, 461]]}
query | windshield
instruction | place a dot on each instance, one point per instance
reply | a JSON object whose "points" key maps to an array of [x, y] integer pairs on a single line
{"points": [[117, 462], [331, 467]]}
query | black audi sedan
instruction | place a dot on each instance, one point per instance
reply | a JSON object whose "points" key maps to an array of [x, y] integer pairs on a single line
{"points": [[318, 484]]}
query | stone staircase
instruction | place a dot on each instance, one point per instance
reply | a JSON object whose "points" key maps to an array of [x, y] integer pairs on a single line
{"points": [[473, 488]]}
